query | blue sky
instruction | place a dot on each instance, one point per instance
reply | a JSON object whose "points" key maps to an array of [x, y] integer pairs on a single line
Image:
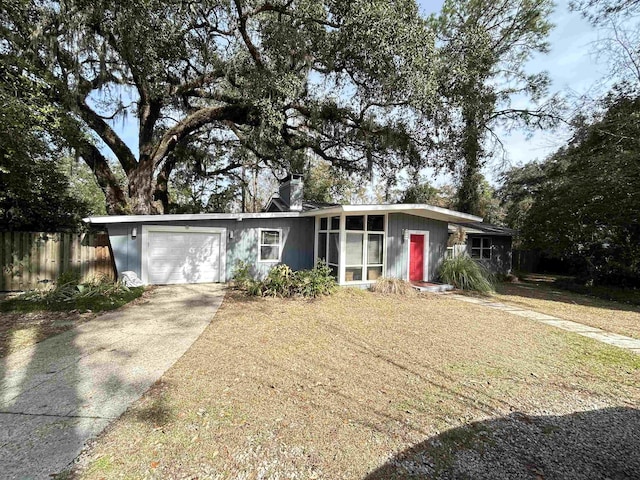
{"points": [[570, 64]]}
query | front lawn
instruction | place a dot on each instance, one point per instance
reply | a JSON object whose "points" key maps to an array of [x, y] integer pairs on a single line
{"points": [[616, 317], [361, 385]]}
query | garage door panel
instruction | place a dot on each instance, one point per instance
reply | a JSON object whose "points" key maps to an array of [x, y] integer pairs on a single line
{"points": [[178, 257]]}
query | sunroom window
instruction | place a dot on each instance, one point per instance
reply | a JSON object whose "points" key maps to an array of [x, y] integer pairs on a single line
{"points": [[329, 243], [365, 247]]}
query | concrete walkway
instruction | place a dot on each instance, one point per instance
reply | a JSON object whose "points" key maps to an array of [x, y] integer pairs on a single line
{"points": [[59, 393], [628, 343]]}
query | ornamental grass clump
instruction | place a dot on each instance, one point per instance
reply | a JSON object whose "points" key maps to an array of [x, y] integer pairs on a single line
{"points": [[393, 286], [465, 273]]}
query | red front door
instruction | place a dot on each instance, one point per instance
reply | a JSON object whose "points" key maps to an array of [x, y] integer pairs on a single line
{"points": [[416, 258]]}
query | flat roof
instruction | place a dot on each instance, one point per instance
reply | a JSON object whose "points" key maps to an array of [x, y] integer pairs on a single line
{"points": [[483, 228], [418, 209], [186, 217]]}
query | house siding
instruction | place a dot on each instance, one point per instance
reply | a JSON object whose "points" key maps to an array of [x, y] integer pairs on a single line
{"points": [[397, 260], [501, 253], [297, 250]]}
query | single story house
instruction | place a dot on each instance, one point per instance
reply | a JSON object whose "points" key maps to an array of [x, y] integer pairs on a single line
{"points": [[488, 244], [360, 243]]}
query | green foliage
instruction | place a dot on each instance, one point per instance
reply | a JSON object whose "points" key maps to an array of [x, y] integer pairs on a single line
{"points": [[69, 294], [484, 48], [421, 193], [343, 80], [583, 203], [601, 11], [241, 275], [284, 282], [35, 192], [465, 273], [324, 183]]}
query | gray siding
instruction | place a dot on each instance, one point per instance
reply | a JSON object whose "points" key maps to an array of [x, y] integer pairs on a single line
{"points": [[397, 261], [297, 251], [501, 253], [126, 250]]}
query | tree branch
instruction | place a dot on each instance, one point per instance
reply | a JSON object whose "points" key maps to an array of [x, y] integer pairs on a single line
{"points": [[242, 27], [108, 136], [198, 119]]}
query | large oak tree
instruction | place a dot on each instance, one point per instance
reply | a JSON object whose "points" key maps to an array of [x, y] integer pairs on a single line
{"points": [[280, 78]]}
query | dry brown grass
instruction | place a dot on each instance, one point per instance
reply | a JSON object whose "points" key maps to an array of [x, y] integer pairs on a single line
{"points": [[333, 387], [21, 330], [610, 316], [393, 286]]}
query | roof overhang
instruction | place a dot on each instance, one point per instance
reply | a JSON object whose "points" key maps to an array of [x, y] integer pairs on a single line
{"points": [[483, 229], [186, 217], [417, 209]]}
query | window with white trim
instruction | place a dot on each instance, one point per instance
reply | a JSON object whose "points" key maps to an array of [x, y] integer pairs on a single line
{"points": [[329, 242], [481, 248], [365, 247], [270, 245]]}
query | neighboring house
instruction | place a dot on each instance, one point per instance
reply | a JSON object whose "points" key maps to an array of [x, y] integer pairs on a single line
{"points": [[489, 244], [360, 243]]}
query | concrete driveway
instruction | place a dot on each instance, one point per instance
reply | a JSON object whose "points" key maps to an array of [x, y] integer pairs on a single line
{"points": [[56, 395]]}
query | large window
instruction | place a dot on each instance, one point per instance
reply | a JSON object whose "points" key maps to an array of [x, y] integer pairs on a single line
{"points": [[481, 248], [270, 245], [365, 247], [329, 243], [364, 243]]}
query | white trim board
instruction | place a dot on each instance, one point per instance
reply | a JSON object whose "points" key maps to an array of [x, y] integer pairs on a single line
{"points": [[187, 217], [172, 228], [425, 253], [420, 210]]}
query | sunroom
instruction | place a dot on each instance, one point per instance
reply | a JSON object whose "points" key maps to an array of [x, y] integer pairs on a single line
{"points": [[353, 246], [361, 243]]}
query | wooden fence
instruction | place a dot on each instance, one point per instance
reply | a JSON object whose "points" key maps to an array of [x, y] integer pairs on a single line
{"points": [[30, 260]]}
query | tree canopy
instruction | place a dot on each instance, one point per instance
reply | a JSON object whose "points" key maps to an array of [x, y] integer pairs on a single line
{"points": [[35, 193], [484, 47], [342, 79], [583, 203]]}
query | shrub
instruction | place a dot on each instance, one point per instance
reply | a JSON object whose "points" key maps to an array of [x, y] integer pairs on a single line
{"points": [[279, 282], [69, 294], [393, 286], [315, 282], [241, 276], [284, 282], [465, 273]]}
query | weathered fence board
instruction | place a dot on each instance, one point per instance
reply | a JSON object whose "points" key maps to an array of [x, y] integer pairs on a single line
{"points": [[30, 260]]}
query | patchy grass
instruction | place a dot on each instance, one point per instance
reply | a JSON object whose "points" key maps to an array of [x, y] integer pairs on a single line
{"points": [[25, 304], [25, 322], [541, 296], [336, 387]]}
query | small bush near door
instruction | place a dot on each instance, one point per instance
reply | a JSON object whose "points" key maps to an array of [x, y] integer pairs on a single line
{"points": [[465, 273], [284, 282]]}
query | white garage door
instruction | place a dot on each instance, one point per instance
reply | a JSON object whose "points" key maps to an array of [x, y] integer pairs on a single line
{"points": [[183, 257]]}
